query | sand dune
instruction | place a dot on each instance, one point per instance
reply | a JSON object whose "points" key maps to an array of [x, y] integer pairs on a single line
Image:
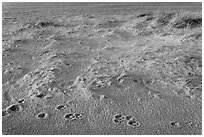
{"points": [[102, 68]]}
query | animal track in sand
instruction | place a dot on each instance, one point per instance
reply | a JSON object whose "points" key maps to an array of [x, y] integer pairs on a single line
{"points": [[42, 115], [15, 108], [102, 68]]}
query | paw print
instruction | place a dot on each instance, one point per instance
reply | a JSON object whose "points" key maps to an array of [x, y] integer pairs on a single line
{"points": [[61, 107], [73, 116], [14, 108], [132, 123], [118, 118], [42, 115]]}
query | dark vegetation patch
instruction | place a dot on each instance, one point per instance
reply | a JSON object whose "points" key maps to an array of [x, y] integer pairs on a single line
{"points": [[11, 51], [8, 18], [196, 35], [21, 41], [111, 24], [191, 22], [150, 18], [193, 60], [44, 24], [194, 82], [144, 15], [38, 25], [165, 18]]}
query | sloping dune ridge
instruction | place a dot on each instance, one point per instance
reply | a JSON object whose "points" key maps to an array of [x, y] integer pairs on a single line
{"points": [[102, 69]]}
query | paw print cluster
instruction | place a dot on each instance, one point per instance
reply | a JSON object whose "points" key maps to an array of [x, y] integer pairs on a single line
{"points": [[69, 116], [128, 119]]}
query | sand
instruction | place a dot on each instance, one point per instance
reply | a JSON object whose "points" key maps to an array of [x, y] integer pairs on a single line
{"points": [[102, 69]]}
